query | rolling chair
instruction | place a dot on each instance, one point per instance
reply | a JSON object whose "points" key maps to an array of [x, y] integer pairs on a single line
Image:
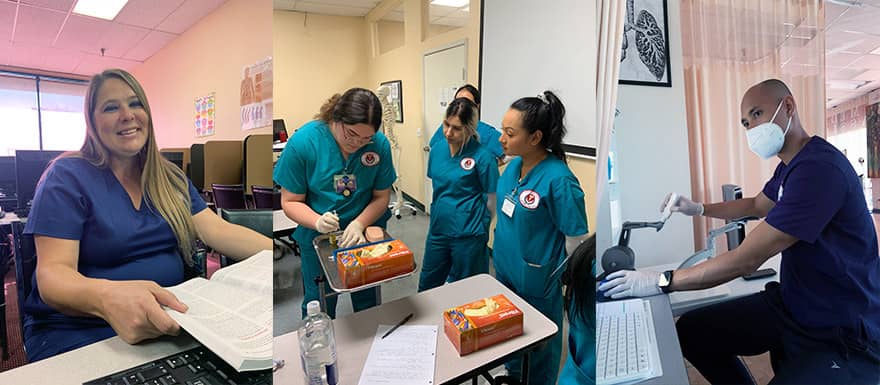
{"points": [[228, 196], [266, 197], [257, 220], [26, 267]]}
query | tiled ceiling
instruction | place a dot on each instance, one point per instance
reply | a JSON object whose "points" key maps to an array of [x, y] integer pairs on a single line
{"points": [[852, 49], [439, 15], [47, 35]]}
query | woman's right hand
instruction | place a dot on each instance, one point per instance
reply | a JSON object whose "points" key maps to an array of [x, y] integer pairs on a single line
{"points": [[134, 310]]}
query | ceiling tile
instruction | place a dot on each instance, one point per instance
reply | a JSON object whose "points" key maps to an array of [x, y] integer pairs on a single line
{"points": [[7, 18], [58, 5], [82, 33], [188, 14], [845, 74], [62, 60], [121, 39], [147, 13], [868, 61], [92, 64], [840, 59], [153, 42], [37, 26], [871, 76], [329, 8]]}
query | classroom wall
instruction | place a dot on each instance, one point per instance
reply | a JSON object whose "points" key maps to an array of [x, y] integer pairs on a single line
{"points": [[209, 57], [405, 64], [315, 57], [652, 160]]}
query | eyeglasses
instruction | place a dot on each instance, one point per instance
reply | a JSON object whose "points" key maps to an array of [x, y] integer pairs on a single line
{"points": [[350, 135]]}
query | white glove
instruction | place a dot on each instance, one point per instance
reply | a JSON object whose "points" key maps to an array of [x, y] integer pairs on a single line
{"points": [[684, 206], [631, 283], [327, 222], [353, 235]]}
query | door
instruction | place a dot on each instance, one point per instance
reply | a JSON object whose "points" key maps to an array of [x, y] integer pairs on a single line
{"points": [[444, 70]]}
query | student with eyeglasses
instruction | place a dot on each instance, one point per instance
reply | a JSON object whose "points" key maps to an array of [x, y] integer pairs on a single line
{"points": [[336, 173]]}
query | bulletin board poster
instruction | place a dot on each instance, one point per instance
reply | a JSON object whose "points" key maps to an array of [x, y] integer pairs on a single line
{"points": [[256, 95], [872, 124], [205, 112]]}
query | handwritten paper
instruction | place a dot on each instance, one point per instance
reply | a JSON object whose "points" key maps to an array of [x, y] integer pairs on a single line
{"points": [[406, 357]]}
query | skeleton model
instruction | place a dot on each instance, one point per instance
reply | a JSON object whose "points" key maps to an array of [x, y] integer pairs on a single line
{"points": [[388, 127]]}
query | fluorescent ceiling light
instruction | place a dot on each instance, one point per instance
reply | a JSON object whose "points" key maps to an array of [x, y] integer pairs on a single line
{"points": [[102, 9], [846, 84], [451, 3], [847, 3]]}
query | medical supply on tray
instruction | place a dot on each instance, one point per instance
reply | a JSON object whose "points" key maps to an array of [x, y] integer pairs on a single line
{"points": [[373, 262]]}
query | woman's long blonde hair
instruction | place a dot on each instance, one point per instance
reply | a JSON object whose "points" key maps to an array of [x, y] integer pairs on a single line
{"points": [[164, 185]]}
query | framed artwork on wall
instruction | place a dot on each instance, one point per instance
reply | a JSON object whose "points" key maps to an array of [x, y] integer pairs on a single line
{"points": [[644, 58]]}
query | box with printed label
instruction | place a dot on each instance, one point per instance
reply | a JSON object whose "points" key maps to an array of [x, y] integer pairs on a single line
{"points": [[482, 323], [373, 262]]}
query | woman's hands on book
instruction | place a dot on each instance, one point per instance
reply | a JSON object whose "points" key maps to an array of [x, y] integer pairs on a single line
{"points": [[134, 310]]}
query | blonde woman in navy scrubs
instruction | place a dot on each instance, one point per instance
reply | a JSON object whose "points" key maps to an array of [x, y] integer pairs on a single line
{"points": [[541, 218], [336, 173], [464, 175], [110, 223]]}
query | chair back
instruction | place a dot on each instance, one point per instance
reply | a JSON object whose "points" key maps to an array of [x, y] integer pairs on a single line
{"points": [[258, 220], [266, 197], [228, 196]]}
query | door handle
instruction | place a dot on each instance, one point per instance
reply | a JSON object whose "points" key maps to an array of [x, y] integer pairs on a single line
{"points": [[426, 149]]}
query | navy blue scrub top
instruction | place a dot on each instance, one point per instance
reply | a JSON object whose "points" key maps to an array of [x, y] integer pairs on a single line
{"points": [[78, 201], [831, 276]]}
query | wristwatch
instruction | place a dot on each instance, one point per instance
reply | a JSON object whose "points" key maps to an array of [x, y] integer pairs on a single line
{"points": [[665, 282]]}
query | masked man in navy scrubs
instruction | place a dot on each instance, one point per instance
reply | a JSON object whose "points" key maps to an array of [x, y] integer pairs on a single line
{"points": [[821, 322]]}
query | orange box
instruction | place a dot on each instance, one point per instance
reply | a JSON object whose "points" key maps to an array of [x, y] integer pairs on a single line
{"points": [[471, 330], [373, 262]]}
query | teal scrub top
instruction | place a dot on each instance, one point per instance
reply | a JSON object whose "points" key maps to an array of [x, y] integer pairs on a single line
{"points": [[312, 164], [461, 184], [488, 138], [548, 205]]}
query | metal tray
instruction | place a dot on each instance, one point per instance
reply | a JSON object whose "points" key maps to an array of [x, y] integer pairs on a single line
{"points": [[328, 264]]}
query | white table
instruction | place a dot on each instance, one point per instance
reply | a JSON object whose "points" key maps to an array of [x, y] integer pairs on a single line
{"points": [[96, 360], [354, 333], [280, 222], [738, 288]]}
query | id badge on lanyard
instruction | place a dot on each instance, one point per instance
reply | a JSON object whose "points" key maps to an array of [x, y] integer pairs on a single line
{"points": [[508, 206], [345, 184]]}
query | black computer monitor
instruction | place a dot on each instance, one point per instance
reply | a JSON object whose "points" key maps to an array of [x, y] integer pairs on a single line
{"points": [[7, 176], [29, 167], [279, 131], [175, 157]]}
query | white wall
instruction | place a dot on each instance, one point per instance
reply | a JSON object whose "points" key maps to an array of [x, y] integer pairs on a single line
{"points": [[652, 160]]}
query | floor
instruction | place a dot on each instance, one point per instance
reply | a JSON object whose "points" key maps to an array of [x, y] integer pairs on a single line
{"points": [[412, 230]]}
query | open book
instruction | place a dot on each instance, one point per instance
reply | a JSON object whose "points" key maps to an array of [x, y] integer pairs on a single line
{"points": [[231, 314]]}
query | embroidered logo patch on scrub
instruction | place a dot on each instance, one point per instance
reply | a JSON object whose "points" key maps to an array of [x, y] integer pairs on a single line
{"points": [[468, 164], [370, 159], [529, 199]]}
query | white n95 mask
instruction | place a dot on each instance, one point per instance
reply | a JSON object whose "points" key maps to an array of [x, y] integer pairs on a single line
{"points": [[766, 139]]}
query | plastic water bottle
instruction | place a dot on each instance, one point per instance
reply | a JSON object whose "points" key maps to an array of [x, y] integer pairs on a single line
{"points": [[317, 346]]}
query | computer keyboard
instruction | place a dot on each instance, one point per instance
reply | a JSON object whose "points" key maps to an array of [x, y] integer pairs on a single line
{"points": [[626, 346], [198, 366]]}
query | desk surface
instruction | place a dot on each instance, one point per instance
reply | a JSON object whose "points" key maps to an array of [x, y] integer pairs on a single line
{"points": [[281, 222], [95, 360], [9, 218], [738, 287], [667, 338], [354, 333]]}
